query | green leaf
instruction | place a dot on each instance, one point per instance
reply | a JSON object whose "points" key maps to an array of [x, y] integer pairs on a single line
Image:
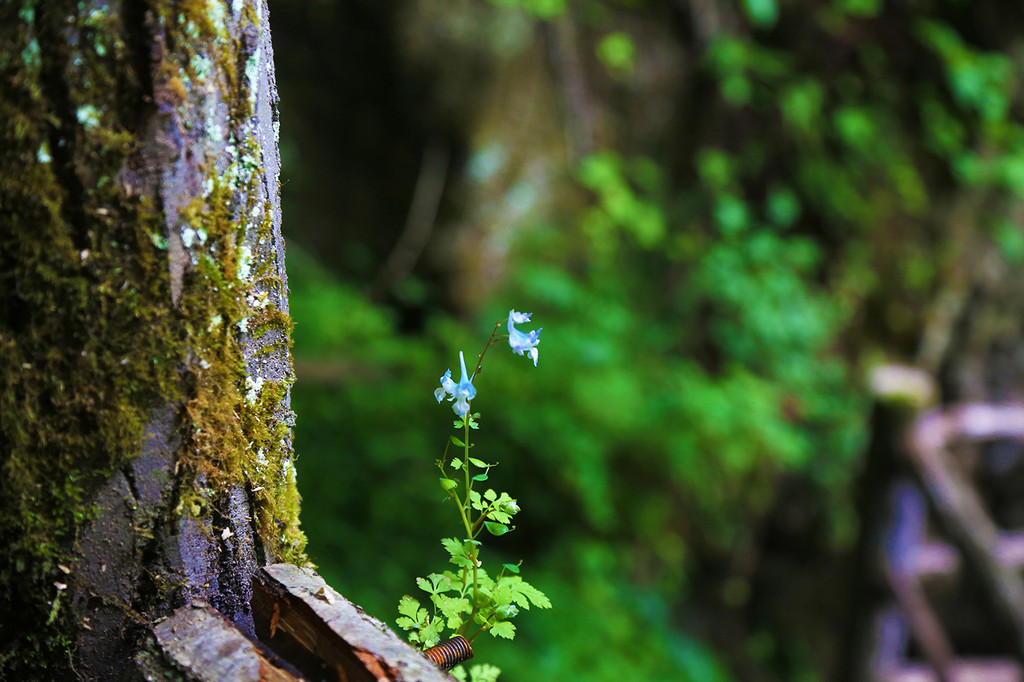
{"points": [[507, 505], [437, 583], [801, 106], [431, 634], [457, 441], [489, 494], [484, 672], [480, 477], [480, 463], [453, 546], [1010, 240], [504, 629], [783, 206], [545, 9], [523, 591], [496, 528], [459, 551], [452, 609], [448, 484], [717, 169], [413, 617], [512, 568], [408, 606], [857, 127], [762, 13], [731, 214], [456, 464], [484, 582], [859, 8], [617, 51], [500, 517], [736, 89], [506, 611]]}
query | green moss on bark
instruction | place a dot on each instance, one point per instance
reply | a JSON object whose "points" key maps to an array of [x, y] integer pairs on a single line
{"points": [[91, 338]]}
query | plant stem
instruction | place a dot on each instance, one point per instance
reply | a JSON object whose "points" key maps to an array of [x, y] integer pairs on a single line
{"points": [[490, 340], [468, 501], [473, 636], [466, 511], [466, 504], [483, 627]]}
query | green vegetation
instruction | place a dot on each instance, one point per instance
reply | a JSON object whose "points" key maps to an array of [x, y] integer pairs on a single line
{"points": [[468, 601]]}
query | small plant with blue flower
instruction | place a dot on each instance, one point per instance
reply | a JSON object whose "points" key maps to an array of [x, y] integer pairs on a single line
{"points": [[469, 601]]}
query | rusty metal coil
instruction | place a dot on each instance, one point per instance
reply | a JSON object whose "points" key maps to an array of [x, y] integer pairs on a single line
{"points": [[450, 653]]}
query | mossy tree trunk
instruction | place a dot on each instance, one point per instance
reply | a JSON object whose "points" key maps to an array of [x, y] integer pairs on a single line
{"points": [[145, 429]]}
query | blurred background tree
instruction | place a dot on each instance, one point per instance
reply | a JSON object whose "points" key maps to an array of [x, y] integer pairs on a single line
{"points": [[722, 213]]}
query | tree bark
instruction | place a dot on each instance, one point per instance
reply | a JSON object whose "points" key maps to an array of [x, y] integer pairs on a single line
{"points": [[145, 428]]}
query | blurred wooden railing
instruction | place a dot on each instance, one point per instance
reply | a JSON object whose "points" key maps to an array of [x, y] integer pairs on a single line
{"points": [[938, 555]]}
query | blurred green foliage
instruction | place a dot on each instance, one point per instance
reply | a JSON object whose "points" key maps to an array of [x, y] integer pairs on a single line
{"points": [[636, 442], [618, 52], [707, 310]]}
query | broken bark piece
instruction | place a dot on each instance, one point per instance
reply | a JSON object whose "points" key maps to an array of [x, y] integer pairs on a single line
{"points": [[204, 646], [327, 637]]}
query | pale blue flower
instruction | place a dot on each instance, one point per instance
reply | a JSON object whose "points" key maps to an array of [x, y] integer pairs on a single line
{"points": [[522, 343], [461, 392]]}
